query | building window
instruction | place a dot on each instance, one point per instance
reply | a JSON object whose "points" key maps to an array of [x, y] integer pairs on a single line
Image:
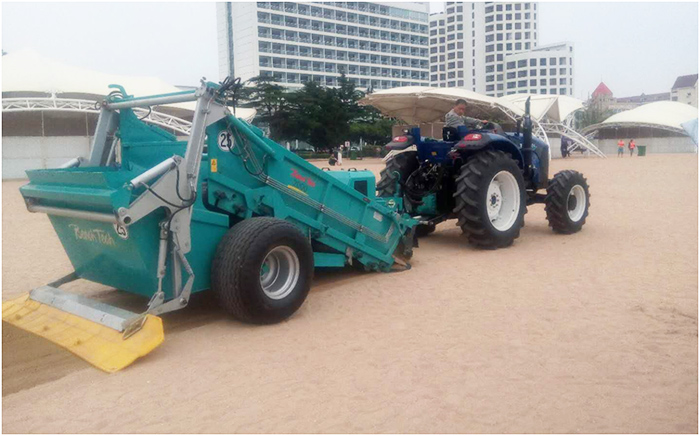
{"points": [[522, 63]]}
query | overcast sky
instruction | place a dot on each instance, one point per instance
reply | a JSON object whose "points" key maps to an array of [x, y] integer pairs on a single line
{"points": [[632, 47]]}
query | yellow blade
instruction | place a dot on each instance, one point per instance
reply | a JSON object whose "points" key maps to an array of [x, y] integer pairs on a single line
{"points": [[99, 345]]}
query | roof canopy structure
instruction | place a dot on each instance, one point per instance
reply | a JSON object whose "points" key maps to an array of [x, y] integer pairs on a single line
{"points": [[422, 104], [665, 115], [26, 74], [553, 108]]}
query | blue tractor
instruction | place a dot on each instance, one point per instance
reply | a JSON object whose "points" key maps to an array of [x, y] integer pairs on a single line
{"points": [[485, 178]]}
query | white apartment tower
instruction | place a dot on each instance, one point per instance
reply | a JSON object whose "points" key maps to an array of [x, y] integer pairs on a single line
{"points": [[492, 48], [377, 45]]}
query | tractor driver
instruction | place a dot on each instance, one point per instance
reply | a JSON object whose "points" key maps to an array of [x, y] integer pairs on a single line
{"points": [[455, 117]]}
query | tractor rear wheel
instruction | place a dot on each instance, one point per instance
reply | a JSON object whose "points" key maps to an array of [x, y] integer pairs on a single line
{"points": [[490, 199], [398, 167], [262, 270], [567, 202]]}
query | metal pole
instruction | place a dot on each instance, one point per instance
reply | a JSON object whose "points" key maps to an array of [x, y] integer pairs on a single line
{"points": [[179, 97]]}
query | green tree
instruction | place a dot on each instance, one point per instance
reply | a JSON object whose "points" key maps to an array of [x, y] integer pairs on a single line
{"points": [[270, 101], [591, 115], [323, 117]]}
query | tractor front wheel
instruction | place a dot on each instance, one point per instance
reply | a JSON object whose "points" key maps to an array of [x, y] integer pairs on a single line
{"points": [[567, 202], [262, 270], [490, 199]]}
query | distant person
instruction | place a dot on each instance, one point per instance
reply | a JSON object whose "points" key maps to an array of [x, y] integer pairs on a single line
{"points": [[620, 148], [340, 155], [632, 146], [456, 117], [332, 160], [564, 146]]}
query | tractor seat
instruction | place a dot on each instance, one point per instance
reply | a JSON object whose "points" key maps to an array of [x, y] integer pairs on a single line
{"points": [[450, 134]]}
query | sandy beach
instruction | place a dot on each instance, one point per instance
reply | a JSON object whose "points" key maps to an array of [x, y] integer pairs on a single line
{"points": [[595, 332]]}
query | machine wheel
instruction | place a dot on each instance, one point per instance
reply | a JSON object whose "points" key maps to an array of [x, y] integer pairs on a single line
{"points": [[262, 270], [424, 230], [567, 202], [490, 199], [404, 164]]}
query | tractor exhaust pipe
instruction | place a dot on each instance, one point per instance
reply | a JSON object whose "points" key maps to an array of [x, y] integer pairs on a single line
{"points": [[527, 140]]}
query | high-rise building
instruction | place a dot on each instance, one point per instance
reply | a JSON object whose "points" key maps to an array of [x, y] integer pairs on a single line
{"points": [[377, 45], [492, 48]]}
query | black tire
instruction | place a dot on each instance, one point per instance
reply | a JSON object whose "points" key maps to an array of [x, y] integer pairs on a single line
{"points": [[423, 230], [404, 163], [238, 263], [471, 200], [561, 202]]}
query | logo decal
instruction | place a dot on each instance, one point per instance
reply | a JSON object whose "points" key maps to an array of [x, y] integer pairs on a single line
{"points": [[93, 235], [301, 178], [122, 231], [225, 140]]}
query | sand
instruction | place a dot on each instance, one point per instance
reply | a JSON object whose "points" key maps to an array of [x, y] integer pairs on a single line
{"points": [[593, 332]]}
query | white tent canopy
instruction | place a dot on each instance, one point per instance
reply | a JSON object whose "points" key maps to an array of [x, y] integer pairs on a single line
{"points": [[555, 108], [423, 104], [26, 72], [665, 114]]}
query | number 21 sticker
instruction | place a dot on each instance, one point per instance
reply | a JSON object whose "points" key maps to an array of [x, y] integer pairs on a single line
{"points": [[225, 140]]}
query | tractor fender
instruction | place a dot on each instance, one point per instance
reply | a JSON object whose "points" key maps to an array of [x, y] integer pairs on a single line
{"points": [[492, 141], [510, 148], [393, 153]]}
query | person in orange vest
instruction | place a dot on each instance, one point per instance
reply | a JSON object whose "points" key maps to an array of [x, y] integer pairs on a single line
{"points": [[632, 147], [620, 148]]}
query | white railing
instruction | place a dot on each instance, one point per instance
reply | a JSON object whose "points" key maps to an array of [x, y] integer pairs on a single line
{"points": [[35, 104]]}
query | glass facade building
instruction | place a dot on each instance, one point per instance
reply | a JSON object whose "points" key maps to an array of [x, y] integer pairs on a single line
{"points": [[377, 45]]}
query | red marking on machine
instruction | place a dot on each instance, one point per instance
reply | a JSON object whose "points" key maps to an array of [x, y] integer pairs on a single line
{"points": [[301, 178]]}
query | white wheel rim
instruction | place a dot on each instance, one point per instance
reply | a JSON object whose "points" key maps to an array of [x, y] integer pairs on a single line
{"points": [[503, 201], [576, 203], [279, 272]]}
